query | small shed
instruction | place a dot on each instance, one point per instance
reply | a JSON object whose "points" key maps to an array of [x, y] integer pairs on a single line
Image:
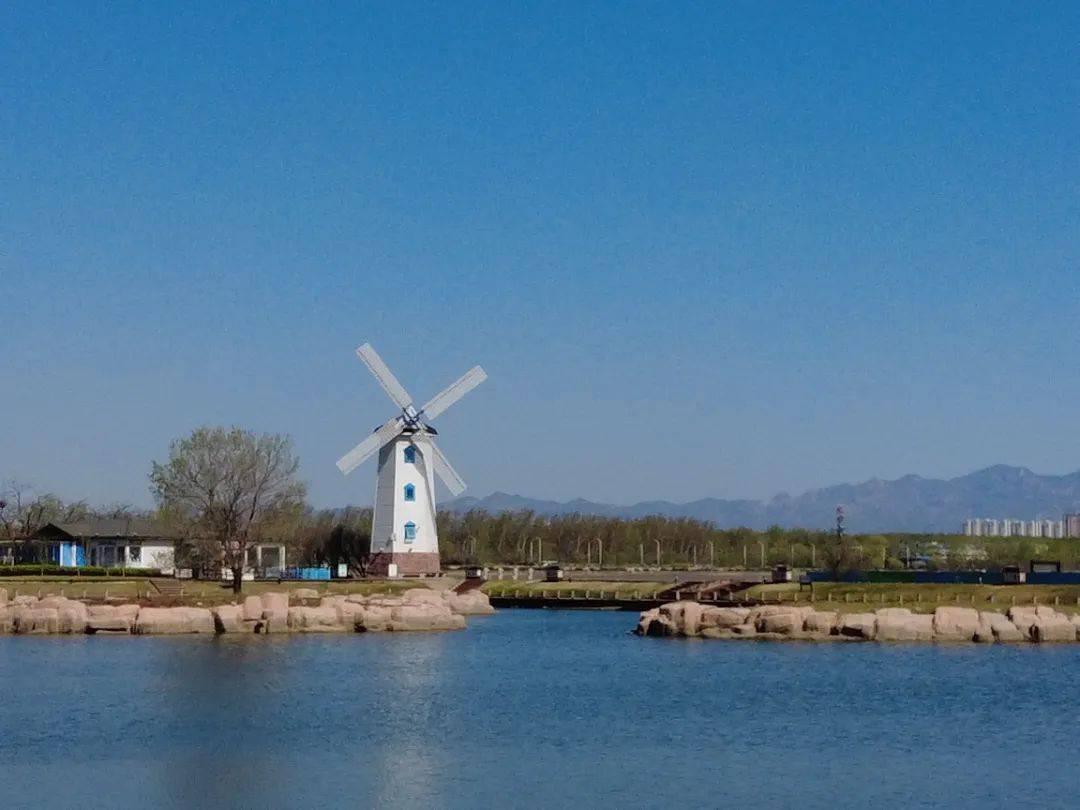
{"points": [[782, 573], [553, 573], [1012, 575], [1045, 567], [474, 572]]}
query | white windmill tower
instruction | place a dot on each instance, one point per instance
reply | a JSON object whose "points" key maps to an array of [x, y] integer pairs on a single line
{"points": [[404, 540]]}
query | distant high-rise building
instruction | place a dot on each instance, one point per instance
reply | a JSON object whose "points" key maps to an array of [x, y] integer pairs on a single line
{"points": [[1072, 526], [1007, 527]]}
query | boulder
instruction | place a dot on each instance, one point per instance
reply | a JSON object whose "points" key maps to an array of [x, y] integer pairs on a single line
{"points": [[350, 614], [24, 600], [385, 601], [1022, 616], [73, 617], [723, 617], [7, 620], [821, 622], [650, 623], [315, 620], [859, 625], [36, 621], [744, 630], [713, 631], [252, 609], [3, 597], [111, 618], [776, 610], [375, 618], [162, 621], [275, 601], [424, 596], [691, 618], [305, 593], [108, 624], [782, 623], [46, 620], [892, 612], [230, 618], [955, 624], [996, 627], [424, 617], [1052, 628], [904, 626], [275, 620], [199, 620], [470, 603], [685, 617]]}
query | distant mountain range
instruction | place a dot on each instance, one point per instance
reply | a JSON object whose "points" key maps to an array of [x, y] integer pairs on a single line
{"points": [[908, 504]]}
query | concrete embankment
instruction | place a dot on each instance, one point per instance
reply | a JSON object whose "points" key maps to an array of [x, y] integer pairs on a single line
{"points": [[415, 609], [780, 622]]}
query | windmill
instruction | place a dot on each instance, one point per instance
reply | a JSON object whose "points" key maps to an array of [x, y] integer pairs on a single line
{"points": [[403, 535]]}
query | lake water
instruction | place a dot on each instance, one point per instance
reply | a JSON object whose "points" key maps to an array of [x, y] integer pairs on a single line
{"points": [[534, 709]]}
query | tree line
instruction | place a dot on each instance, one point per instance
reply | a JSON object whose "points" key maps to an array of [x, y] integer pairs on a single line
{"points": [[224, 490]]}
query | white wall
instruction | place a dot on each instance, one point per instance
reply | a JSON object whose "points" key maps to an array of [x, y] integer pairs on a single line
{"points": [[161, 554], [392, 511]]}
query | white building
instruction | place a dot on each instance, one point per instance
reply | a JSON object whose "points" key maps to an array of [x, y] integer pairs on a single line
{"points": [[109, 543], [403, 531], [1007, 527]]}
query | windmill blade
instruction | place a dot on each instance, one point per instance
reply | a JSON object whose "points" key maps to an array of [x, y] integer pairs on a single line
{"points": [[355, 457], [394, 389], [443, 469], [452, 393]]}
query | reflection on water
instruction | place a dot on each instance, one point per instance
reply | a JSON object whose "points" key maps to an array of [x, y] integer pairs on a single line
{"points": [[532, 709]]}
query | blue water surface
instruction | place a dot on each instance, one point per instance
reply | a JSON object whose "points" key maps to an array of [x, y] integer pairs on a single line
{"points": [[545, 709]]}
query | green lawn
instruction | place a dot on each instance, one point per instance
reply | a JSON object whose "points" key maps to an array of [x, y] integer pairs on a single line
{"points": [[855, 597], [850, 598], [195, 592], [624, 590]]}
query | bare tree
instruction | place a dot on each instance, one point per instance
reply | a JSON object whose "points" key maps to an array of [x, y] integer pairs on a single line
{"points": [[230, 487], [23, 511]]}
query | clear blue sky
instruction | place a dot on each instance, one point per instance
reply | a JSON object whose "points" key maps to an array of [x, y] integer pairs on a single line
{"points": [[701, 249]]}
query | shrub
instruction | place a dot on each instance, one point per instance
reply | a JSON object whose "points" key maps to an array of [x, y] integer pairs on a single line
{"points": [[51, 570]]}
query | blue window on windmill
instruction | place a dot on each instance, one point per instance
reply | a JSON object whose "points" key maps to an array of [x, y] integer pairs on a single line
{"points": [[410, 532], [410, 454], [410, 492]]}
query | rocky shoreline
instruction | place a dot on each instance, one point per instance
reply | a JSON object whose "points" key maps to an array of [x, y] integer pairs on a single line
{"points": [[417, 609], [777, 622]]}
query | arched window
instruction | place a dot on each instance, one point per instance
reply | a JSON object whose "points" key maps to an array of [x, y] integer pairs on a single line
{"points": [[410, 492], [410, 532], [410, 454]]}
